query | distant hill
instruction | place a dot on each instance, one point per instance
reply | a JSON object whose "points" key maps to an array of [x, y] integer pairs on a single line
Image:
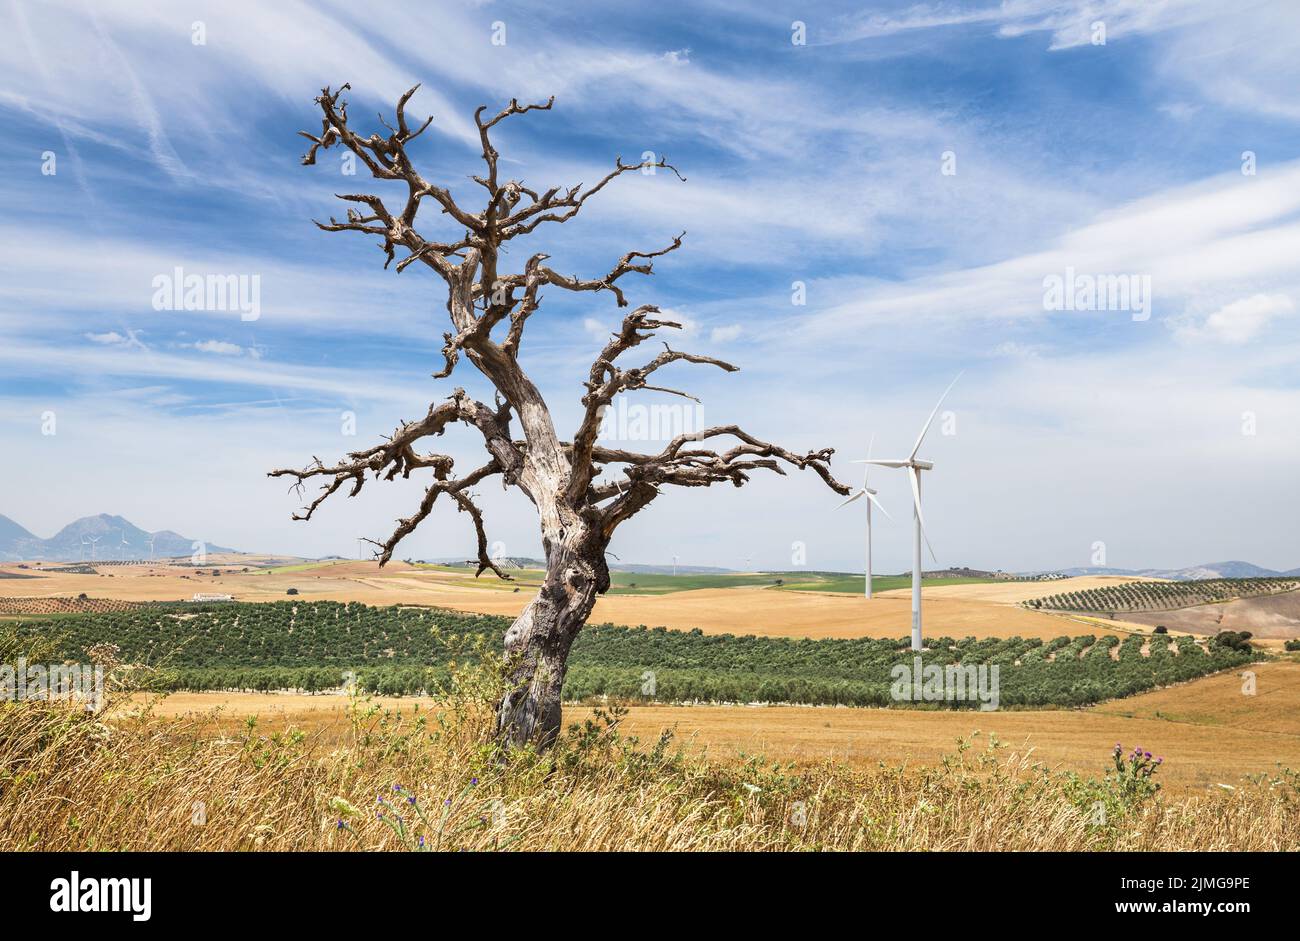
{"points": [[1230, 569], [114, 538], [635, 568]]}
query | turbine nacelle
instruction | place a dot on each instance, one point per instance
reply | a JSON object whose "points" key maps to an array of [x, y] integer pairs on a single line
{"points": [[898, 462]]}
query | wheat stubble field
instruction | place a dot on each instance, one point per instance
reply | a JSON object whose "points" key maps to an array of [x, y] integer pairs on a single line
{"points": [[1209, 733]]}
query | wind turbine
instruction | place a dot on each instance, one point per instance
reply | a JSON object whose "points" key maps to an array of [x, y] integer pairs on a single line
{"points": [[870, 494], [83, 547], [914, 468], [93, 541], [152, 537], [121, 547]]}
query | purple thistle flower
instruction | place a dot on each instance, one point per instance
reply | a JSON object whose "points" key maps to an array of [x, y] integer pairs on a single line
{"points": [[473, 781], [342, 825], [447, 802], [421, 842], [1160, 761], [410, 800], [1147, 754]]}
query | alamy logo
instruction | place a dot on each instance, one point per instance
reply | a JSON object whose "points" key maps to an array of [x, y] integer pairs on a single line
{"points": [[76, 894], [657, 422], [23, 681], [181, 291], [1075, 291], [953, 682]]}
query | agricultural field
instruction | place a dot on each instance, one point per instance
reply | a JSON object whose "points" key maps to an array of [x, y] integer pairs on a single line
{"points": [[854, 584], [406, 650], [735, 604], [1150, 596], [1210, 733]]}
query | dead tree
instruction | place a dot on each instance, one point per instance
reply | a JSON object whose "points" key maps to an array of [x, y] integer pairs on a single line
{"points": [[578, 511]]}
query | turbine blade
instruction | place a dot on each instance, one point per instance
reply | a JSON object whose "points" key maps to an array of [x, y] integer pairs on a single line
{"points": [[914, 475], [882, 462], [879, 506], [928, 421], [850, 499]]}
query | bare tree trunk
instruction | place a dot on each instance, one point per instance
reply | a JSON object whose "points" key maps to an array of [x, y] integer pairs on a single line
{"points": [[578, 510], [537, 644]]}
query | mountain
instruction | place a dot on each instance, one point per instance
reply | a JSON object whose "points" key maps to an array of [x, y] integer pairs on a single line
{"points": [[11, 532], [113, 537], [1231, 569]]}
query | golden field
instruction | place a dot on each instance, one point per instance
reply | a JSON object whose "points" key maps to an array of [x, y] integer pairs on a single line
{"points": [[893, 779], [982, 610], [1210, 732]]}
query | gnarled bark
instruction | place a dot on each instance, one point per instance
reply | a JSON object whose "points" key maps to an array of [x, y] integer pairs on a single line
{"points": [[537, 643], [578, 513]]}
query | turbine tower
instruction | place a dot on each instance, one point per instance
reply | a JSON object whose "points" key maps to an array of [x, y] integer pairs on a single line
{"points": [[152, 537], [914, 468], [121, 547], [93, 541], [870, 494]]}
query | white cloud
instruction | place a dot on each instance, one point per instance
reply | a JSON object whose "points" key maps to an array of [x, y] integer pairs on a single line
{"points": [[1199, 244], [599, 330], [220, 347], [108, 339], [725, 334], [1238, 322], [113, 338]]}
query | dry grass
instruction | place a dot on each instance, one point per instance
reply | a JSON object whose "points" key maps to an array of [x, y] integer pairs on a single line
{"points": [[1208, 732], [73, 782]]}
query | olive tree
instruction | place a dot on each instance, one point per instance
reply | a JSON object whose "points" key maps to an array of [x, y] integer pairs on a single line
{"points": [[490, 306]]}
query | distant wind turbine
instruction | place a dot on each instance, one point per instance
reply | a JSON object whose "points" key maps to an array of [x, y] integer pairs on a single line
{"points": [[914, 468], [152, 537], [121, 547], [93, 541], [870, 494]]}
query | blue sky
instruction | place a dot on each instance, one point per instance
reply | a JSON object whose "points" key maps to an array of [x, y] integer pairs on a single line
{"points": [[821, 163]]}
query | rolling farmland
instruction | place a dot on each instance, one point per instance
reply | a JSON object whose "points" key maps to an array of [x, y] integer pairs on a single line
{"points": [[1147, 596], [405, 650]]}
